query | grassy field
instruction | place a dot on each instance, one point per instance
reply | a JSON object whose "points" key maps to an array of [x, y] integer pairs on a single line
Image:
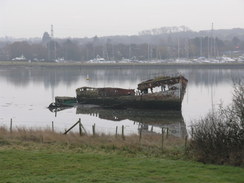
{"points": [[35, 165], [43, 156]]}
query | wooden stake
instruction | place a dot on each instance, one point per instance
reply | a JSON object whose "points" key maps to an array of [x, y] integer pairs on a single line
{"points": [[93, 130], [41, 138], [52, 126], [78, 122], [140, 135], [11, 125], [80, 129], [192, 131], [186, 137], [123, 135], [116, 131], [167, 133], [162, 139]]}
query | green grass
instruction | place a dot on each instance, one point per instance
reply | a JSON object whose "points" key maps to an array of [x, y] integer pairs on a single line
{"points": [[29, 165]]}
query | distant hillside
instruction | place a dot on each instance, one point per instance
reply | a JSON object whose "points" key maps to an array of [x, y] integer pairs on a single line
{"points": [[155, 36], [155, 44], [225, 34]]}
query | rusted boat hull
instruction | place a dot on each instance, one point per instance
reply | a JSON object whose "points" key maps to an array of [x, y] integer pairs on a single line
{"points": [[160, 93]]}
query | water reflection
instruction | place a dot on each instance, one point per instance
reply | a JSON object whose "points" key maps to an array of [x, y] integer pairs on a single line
{"points": [[54, 76], [149, 120]]}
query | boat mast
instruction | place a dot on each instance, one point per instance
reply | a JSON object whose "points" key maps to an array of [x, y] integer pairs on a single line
{"points": [[200, 46], [212, 42]]}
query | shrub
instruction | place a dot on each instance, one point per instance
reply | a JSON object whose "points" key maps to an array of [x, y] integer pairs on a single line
{"points": [[219, 137]]}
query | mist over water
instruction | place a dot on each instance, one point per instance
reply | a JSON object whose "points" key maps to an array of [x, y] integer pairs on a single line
{"points": [[27, 91]]}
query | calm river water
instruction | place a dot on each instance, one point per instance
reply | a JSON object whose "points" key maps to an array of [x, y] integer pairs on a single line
{"points": [[27, 91]]}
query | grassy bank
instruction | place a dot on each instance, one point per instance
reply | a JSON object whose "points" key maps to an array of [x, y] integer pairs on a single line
{"points": [[147, 145], [44, 156]]}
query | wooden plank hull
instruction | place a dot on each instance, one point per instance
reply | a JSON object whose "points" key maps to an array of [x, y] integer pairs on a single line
{"points": [[160, 93]]}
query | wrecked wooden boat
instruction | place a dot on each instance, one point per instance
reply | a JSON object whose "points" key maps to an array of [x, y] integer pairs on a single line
{"points": [[165, 92], [61, 102]]}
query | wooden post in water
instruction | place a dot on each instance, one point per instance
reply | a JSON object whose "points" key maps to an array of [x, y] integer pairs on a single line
{"points": [[93, 130], [162, 139], [116, 131], [123, 135], [11, 125], [52, 126]]}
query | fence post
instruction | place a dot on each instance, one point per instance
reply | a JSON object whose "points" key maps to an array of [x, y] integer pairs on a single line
{"points": [[167, 132], [192, 131], [116, 131], [78, 122], [140, 135], [41, 139], [93, 130], [80, 129], [52, 126], [123, 135], [186, 138], [11, 125], [162, 139]]}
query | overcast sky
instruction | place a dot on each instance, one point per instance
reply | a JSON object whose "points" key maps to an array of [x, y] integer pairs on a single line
{"points": [[87, 18]]}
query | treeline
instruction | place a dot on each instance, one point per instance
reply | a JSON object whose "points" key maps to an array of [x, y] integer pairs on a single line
{"points": [[155, 44]]}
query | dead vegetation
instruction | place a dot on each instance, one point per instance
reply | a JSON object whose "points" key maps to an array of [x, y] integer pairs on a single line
{"points": [[149, 145]]}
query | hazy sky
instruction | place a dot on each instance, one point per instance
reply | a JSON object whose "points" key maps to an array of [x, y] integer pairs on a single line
{"points": [[81, 18]]}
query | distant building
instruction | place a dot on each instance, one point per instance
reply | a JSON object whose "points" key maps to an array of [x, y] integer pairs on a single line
{"points": [[46, 38]]}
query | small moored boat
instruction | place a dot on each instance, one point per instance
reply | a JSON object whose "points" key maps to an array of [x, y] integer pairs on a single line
{"points": [[63, 102]]}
